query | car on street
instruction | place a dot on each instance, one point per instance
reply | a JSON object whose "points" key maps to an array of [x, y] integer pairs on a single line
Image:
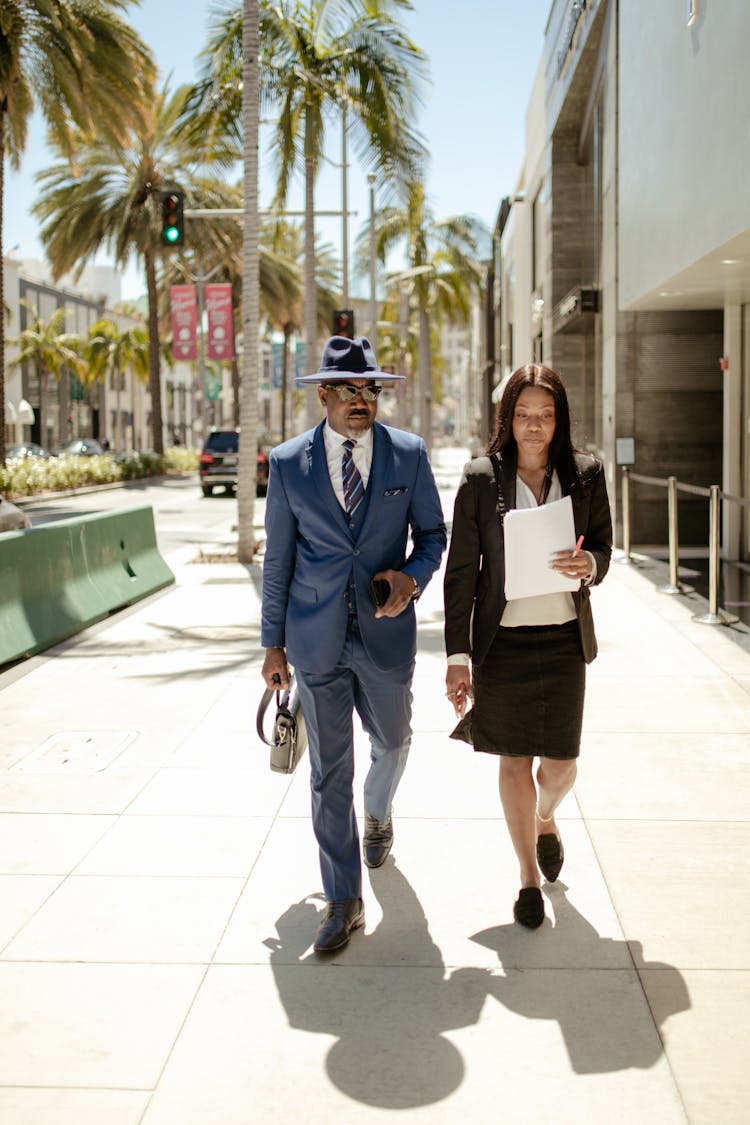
{"points": [[27, 449], [219, 462], [79, 447]]}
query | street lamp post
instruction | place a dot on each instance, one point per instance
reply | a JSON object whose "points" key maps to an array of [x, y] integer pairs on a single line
{"points": [[344, 215], [373, 263]]}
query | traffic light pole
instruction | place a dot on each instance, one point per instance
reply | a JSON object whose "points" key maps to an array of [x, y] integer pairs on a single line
{"points": [[237, 212]]}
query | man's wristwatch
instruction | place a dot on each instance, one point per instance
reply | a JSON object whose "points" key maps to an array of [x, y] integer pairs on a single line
{"points": [[416, 591]]}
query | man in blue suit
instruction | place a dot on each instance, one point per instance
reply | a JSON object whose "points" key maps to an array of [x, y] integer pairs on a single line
{"points": [[342, 500]]}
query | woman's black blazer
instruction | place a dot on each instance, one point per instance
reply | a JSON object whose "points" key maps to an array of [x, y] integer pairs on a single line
{"points": [[474, 585]]}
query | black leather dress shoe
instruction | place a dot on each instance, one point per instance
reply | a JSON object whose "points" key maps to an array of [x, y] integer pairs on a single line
{"points": [[377, 840], [549, 855], [339, 920]]}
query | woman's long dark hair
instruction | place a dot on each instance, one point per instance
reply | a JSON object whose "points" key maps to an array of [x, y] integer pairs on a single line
{"points": [[561, 451]]}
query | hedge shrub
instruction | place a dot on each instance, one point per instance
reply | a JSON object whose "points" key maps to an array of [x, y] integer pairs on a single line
{"points": [[30, 475]]}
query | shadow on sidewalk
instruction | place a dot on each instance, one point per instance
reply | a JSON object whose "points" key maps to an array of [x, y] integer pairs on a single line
{"points": [[600, 1008], [388, 1012]]}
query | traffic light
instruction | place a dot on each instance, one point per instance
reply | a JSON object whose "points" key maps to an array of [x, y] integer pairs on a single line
{"points": [[172, 220], [343, 323]]}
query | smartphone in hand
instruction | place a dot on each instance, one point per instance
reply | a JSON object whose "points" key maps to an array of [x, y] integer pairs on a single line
{"points": [[380, 591]]}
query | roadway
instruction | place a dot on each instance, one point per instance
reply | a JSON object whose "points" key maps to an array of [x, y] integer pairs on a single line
{"points": [[182, 516]]}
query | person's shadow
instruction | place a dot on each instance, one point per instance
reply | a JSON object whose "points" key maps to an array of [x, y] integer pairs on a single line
{"points": [[390, 1006], [594, 992]]}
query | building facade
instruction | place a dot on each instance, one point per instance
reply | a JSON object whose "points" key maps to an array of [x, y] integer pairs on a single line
{"points": [[118, 409], [625, 250]]}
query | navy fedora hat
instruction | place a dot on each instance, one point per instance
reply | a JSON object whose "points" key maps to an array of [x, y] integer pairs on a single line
{"points": [[345, 359]]}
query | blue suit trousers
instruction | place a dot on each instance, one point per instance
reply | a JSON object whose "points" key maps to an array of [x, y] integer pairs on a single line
{"points": [[383, 701]]}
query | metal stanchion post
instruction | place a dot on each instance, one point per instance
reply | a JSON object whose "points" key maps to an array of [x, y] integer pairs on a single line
{"points": [[674, 586], [715, 616], [627, 558]]}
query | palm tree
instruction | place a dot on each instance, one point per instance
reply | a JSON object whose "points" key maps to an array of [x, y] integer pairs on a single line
{"points": [[111, 350], [110, 196], [319, 56], [216, 252], [286, 309], [82, 66], [443, 269], [44, 344], [217, 247]]}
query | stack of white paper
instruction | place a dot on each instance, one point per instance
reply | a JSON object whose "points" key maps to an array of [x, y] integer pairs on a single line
{"points": [[532, 535]]}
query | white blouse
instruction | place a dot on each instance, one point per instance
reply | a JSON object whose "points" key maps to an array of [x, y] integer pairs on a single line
{"points": [[544, 609]]}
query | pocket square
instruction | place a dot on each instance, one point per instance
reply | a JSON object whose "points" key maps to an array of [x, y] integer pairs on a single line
{"points": [[395, 491]]}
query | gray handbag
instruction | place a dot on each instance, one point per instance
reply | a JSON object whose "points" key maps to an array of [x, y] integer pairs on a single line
{"points": [[288, 739]]}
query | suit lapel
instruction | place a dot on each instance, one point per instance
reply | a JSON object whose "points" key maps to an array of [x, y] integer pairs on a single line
{"points": [[382, 456], [318, 460]]}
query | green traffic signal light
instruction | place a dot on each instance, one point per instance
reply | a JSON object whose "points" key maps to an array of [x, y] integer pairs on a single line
{"points": [[172, 229]]}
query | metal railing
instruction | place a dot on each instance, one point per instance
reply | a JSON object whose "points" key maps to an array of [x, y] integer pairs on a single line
{"points": [[714, 495]]}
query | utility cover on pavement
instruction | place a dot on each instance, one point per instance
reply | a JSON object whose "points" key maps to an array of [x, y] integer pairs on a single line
{"points": [[76, 752]]}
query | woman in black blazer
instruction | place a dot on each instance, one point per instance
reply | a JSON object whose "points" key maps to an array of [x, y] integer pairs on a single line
{"points": [[528, 655]]}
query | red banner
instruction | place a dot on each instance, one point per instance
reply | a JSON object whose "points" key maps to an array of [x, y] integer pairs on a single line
{"points": [[220, 332], [184, 308]]}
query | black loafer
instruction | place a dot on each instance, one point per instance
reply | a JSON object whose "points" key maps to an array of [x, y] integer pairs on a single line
{"points": [[377, 841], [529, 908], [339, 920], [549, 856]]}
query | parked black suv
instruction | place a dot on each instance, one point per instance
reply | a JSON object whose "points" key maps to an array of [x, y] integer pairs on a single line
{"points": [[219, 461]]}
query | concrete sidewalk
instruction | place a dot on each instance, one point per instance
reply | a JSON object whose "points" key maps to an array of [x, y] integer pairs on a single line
{"points": [[159, 891]]}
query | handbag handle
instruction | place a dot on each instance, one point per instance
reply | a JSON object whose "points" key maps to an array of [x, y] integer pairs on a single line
{"points": [[265, 699]]}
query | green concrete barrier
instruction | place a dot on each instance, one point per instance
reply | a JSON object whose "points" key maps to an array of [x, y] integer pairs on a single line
{"points": [[59, 578]]}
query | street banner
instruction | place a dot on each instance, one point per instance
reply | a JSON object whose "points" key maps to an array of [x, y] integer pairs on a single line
{"points": [[212, 382], [220, 334], [184, 309]]}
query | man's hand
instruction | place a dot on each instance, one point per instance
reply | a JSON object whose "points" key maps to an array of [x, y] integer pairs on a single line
{"points": [[275, 670], [402, 588], [458, 687]]}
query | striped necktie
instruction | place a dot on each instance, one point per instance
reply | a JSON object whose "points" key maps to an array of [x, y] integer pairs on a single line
{"points": [[354, 489]]}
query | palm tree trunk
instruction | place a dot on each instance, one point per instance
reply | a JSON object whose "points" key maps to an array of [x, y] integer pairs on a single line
{"points": [[154, 356], [42, 377], [118, 426], [236, 374], [425, 377], [235, 391], [63, 400], [311, 296], [248, 468]]}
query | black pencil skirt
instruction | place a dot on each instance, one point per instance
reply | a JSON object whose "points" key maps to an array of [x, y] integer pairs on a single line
{"points": [[529, 692]]}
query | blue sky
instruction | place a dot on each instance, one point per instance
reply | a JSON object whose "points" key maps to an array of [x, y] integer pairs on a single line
{"points": [[483, 55]]}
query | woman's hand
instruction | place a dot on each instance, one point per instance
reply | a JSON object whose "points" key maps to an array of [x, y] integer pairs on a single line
{"points": [[573, 564], [458, 687]]}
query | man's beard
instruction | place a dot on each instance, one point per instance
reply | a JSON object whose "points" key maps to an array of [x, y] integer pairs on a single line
{"points": [[357, 426]]}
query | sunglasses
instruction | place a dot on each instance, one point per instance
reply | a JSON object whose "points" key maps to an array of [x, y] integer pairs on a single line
{"points": [[346, 392]]}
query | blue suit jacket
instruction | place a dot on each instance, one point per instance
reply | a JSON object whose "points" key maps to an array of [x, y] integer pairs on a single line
{"points": [[311, 552]]}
